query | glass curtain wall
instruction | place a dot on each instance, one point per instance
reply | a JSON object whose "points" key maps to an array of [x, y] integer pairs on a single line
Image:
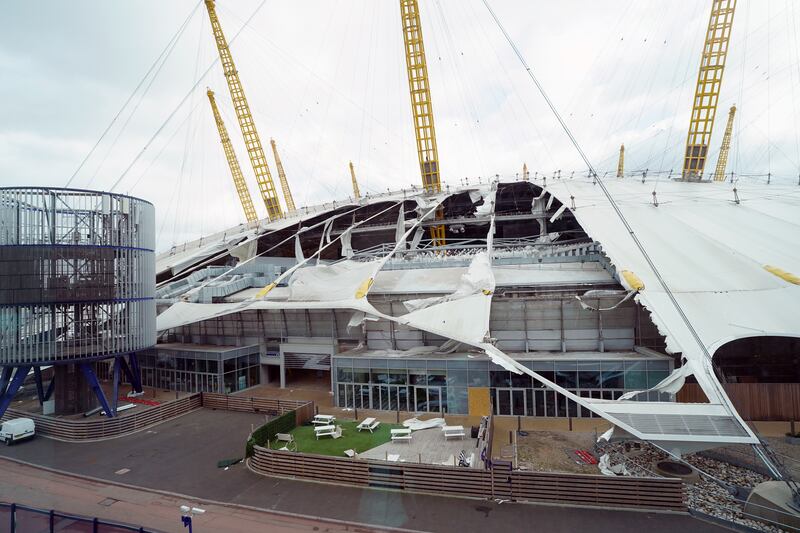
{"points": [[439, 385]]}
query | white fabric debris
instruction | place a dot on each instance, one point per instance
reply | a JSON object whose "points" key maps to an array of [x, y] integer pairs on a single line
{"points": [[558, 213], [623, 295], [346, 239], [607, 435], [325, 283], [417, 238], [414, 424], [670, 384], [298, 249], [477, 278], [400, 230], [604, 464]]}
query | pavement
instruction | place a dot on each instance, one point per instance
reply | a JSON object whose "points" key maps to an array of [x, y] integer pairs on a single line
{"points": [[180, 457]]}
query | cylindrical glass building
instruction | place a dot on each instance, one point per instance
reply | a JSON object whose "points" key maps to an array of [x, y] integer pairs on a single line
{"points": [[77, 276]]}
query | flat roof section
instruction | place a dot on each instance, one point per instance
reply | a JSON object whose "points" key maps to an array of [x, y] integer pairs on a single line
{"points": [[445, 279], [428, 352], [208, 348]]}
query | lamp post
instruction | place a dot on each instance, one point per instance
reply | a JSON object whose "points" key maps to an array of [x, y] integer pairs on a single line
{"points": [[187, 513]]}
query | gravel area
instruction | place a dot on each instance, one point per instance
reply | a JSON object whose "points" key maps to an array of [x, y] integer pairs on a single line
{"points": [[705, 495], [548, 451]]}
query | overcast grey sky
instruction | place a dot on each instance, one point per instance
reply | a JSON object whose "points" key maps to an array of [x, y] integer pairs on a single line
{"points": [[327, 80]]}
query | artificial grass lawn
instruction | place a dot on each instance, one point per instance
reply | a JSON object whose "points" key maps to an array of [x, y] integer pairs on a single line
{"points": [[359, 441]]}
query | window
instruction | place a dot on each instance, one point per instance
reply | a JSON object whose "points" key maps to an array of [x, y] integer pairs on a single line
{"points": [[500, 378], [478, 378], [437, 378], [612, 375], [361, 375], [566, 374], [457, 400], [344, 375], [457, 377], [588, 375]]}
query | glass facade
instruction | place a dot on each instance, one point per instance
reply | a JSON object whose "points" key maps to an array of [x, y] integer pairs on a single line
{"points": [[225, 371], [440, 385]]}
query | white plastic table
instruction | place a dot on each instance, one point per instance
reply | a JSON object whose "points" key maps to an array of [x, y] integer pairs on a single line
{"points": [[324, 420]]}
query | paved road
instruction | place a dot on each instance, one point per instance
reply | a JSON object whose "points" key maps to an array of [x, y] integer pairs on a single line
{"points": [[181, 456]]}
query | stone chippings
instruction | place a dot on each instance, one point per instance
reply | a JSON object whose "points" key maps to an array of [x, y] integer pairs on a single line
{"points": [[705, 496]]}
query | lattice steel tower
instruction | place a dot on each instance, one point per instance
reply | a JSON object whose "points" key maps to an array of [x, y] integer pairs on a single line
{"points": [[251, 139], [709, 82], [233, 162]]}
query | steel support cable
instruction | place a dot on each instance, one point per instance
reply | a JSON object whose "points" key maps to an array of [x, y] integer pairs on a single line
{"points": [[135, 108], [184, 99], [167, 49], [292, 236], [621, 216]]}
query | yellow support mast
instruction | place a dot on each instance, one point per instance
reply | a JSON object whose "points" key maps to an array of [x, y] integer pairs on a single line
{"points": [[233, 162], [424, 129], [287, 192], [722, 160], [709, 82], [356, 192], [621, 164], [251, 139], [525, 174]]}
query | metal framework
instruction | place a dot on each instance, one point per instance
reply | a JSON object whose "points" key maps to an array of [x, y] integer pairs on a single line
{"points": [[421, 109], [621, 164], [709, 82], [233, 162], [287, 192], [722, 160], [356, 192], [77, 281], [251, 139]]}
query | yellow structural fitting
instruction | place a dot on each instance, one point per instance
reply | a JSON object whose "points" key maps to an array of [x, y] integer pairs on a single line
{"points": [[363, 289], [785, 276], [263, 292], [633, 281]]}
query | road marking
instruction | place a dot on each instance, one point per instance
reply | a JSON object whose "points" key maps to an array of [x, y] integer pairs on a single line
{"points": [[122, 471]]}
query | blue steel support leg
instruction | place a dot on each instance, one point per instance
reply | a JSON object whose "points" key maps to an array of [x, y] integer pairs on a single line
{"points": [[50, 388], [37, 376], [137, 373], [125, 369], [5, 377], [16, 382], [115, 399], [88, 372]]}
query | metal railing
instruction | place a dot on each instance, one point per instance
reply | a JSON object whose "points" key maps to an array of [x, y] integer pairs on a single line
{"points": [[21, 518]]}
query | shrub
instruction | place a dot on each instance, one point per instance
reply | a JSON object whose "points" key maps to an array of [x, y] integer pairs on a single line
{"points": [[263, 435]]}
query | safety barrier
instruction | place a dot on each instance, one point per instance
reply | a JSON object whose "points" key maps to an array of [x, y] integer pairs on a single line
{"points": [[104, 427], [270, 406], [541, 487], [23, 518], [132, 421]]}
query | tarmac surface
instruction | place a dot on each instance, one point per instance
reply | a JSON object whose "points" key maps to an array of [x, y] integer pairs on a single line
{"points": [[180, 456]]}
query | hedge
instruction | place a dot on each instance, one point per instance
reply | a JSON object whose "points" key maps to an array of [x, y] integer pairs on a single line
{"points": [[263, 435]]}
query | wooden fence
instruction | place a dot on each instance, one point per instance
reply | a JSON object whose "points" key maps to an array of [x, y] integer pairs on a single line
{"points": [[754, 401], [567, 489], [103, 428], [304, 410]]}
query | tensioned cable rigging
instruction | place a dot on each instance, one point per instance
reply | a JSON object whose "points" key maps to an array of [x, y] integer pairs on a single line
{"points": [[183, 100], [167, 50], [616, 208]]}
